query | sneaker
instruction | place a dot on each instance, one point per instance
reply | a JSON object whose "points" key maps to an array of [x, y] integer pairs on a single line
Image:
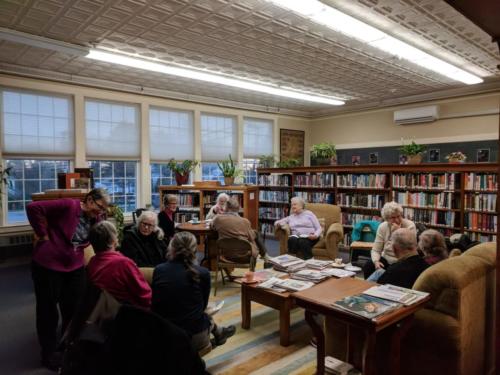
{"points": [[225, 333]]}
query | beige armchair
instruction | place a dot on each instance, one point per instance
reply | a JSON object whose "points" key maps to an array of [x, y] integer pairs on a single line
{"points": [[327, 246]]}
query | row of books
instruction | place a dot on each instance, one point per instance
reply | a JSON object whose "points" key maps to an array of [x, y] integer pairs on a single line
{"points": [[274, 213], [275, 180], [378, 181], [274, 196], [481, 237], [481, 181], [316, 197], [361, 200], [430, 217], [425, 199], [319, 180], [351, 219], [478, 221], [267, 229], [188, 200], [447, 181], [184, 217], [480, 202]]}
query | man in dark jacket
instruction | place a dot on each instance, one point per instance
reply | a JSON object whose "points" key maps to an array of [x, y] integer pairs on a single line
{"points": [[143, 243], [409, 265]]}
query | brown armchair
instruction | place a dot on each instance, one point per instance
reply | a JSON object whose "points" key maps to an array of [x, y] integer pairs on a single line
{"points": [[327, 246]]}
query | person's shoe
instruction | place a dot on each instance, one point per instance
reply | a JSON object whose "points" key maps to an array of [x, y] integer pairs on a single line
{"points": [[52, 361], [313, 342], [225, 333]]}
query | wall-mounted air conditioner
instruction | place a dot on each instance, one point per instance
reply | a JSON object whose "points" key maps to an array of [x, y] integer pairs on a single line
{"points": [[416, 115]]}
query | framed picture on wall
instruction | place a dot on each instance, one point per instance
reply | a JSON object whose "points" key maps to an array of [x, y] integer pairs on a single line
{"points": [[373, 158], [434, 155], [403, 159], [292, 145], [483, 155], [356, 160]]}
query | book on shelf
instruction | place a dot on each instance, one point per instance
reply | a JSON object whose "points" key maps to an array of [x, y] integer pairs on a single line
{"points": [[396, 294], [366, 306]]}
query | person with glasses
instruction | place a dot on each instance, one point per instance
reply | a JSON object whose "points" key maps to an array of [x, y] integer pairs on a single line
{"points": [[143, 243], [61, 228], [166, 218]]}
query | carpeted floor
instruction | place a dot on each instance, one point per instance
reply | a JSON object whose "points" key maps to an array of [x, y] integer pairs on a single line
{"points": [[253, 351]]}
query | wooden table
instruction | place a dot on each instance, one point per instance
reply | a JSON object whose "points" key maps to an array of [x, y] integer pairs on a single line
{"points": [[319, 300], [279, 301]]}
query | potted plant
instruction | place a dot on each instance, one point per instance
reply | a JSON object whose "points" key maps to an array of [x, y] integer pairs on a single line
{"points": [[413, 151], [324, 153], [229, 170], [182, 170], [288, 163], [267, 161], [456, 157], [115, 215]]}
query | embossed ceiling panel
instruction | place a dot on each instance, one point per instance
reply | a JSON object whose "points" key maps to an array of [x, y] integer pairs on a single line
{"points": [[252, 39]]}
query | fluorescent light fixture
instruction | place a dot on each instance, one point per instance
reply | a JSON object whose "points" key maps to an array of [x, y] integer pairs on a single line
{"points": [[345, 24], [206, 76], [41, 42]]}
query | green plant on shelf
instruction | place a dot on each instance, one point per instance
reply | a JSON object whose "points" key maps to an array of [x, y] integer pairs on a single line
{"points": [[288, 163], [267, 161], [229, 168], [412, 149], [183, 168], [325, 150]]}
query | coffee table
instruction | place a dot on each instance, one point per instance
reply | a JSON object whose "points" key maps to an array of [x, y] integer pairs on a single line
{"points": [[279, 301]]}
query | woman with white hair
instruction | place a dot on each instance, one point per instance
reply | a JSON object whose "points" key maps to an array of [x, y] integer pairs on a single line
{"points": [[382, 253], [304, 228], [143, 243], [219, 207]]}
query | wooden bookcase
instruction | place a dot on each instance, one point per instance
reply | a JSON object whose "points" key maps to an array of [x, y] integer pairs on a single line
{"points": [[196, 201], [453, 198]]}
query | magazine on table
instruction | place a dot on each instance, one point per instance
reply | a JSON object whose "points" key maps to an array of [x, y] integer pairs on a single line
{"points": [[284, 259], [295, 285], [396, 293], [336, 366], [366, 306]]}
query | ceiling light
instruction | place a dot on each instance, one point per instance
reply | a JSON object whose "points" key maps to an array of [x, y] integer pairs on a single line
{"points": [[206, 76], [41, 42], [345, 24]]}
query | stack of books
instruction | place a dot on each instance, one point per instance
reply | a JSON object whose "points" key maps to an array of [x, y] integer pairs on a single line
{"points": [[287, 263], [315, 276], [316, 264]]}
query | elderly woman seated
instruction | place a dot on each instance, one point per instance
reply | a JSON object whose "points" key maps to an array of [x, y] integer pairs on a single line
{"points": [[304, 228], [433, 245], [180, 293], [382, 253], [143, 243], [219, 207]]}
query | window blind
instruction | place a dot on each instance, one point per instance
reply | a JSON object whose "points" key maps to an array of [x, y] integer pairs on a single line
{"points": [[257, 137], [218, 137]]}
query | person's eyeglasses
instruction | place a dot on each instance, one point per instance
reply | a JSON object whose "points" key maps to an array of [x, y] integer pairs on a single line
{"points": [[147, 225], [100, 206]]}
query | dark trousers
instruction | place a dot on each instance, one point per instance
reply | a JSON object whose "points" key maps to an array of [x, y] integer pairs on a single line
{"points": [[53, 288], [369, 267], [259, 241], [301, 245]]}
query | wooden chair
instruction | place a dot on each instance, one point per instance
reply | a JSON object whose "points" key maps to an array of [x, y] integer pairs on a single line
{"points": [[233, 253]]}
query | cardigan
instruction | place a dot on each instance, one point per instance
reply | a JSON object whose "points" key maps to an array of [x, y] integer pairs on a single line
{"points": [[382, 247], [303, 223], [58, 220], [404, 272], [145, 251], [167, 224]]}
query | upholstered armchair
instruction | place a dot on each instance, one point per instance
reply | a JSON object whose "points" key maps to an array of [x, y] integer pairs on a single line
{"points": [[327, 246]]}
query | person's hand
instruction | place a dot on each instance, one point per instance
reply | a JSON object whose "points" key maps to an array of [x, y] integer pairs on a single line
{"points": [[395, 226], [312, 236], [378, 265], [37, 239]]}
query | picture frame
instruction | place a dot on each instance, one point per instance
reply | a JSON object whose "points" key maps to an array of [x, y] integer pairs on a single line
{"points": [[403, 159], [434, 155], [373, 158], [483, 155], [292, 145], [356, 160]]}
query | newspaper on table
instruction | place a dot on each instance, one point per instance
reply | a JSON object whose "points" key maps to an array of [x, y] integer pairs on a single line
{"points": [[287, 263], [396, 293], [366, 306], [282, 285], [336, 366], [315, 276], [337, 272], [271, 284], [318, 264]]}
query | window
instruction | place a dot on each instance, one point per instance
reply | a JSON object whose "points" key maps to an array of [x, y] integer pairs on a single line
{"points": [[167, 125], [210, 171], [160, 175], [37, 124], [218, 137], [28, 177], [257, 141], [112, 129], [119, 178]]}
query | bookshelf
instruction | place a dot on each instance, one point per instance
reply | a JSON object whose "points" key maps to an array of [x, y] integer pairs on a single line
{"points": [[196, 201], [453, 198]]}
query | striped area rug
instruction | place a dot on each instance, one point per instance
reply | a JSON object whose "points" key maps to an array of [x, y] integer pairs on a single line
{"points": [[257, 350]]}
